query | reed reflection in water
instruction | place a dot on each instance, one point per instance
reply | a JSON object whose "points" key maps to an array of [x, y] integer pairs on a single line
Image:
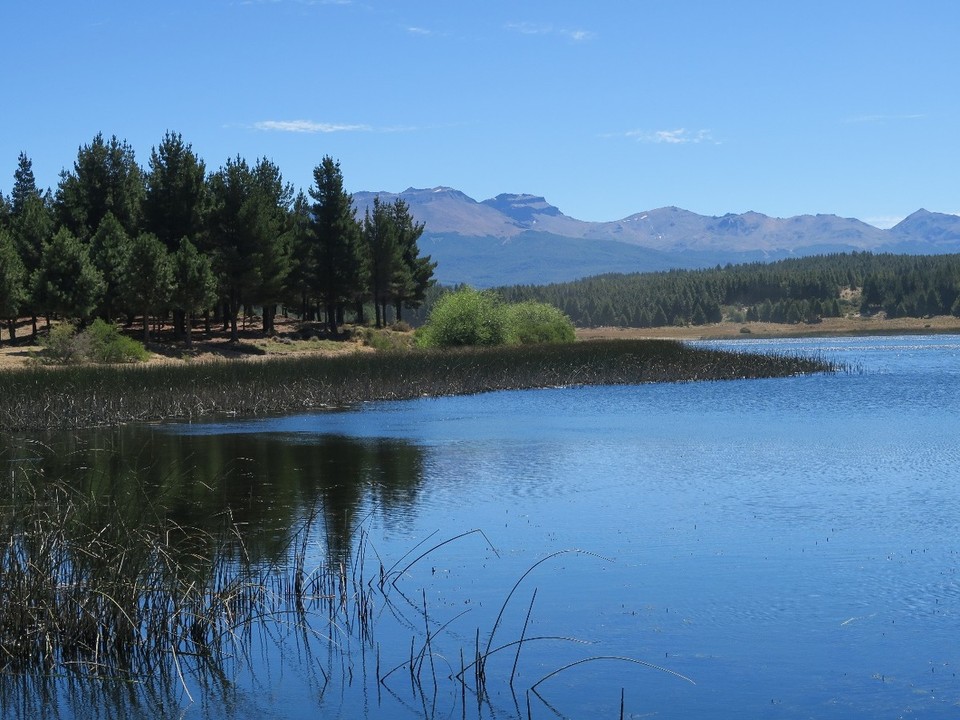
{"points": [[141, 569]]}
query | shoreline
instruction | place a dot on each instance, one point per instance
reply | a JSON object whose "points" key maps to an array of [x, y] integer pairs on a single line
{"points": [[96, 395], [828, 327], [21, 354]]}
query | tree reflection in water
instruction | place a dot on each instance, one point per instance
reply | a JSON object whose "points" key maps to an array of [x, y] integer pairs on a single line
{"points": [[143, 563]]}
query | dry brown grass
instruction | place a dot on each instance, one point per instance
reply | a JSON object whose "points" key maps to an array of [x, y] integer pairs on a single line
{"points": [[253, 345], [215, 347], [828, 327]]}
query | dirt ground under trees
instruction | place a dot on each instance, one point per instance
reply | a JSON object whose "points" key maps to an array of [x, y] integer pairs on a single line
{"points": [[291, 338]]}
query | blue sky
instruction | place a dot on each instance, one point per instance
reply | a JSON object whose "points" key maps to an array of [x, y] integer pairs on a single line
{"points": [[606, 108]]}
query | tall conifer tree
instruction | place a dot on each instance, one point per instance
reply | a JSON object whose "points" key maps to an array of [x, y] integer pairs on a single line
{"points": [[67, 283], [338, 264], [416, 272], [31, 225], [385, 262], [13, 289], [105, 178], [175, 196]]}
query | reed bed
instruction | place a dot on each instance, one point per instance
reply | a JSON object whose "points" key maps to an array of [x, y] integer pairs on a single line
{"points": [[126, 599], [126, 609], [86, 396]]}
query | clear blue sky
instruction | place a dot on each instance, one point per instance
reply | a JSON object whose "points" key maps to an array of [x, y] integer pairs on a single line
{"points": [[606, 108]]}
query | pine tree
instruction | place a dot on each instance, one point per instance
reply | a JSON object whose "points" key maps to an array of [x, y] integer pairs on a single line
{"points": [[110, 250], [6, 212], [24, 185], [31, 228], [249, 236], [67, 283], [147, 278], [194, 286], [338, 265], [175, 200], [13, 288], [384, 257], [416, 273], [105, 178], [698, 317], [232, 239], [302, 258], [175, 197], [274, 241], [659, 317]]}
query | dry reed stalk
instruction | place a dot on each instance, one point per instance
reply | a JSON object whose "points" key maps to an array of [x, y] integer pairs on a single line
{"points": [[37, 398]]}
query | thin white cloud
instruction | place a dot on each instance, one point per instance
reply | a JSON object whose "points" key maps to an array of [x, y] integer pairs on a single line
{"points": [[311, 127], [308, 126], [679, 136], [529, 28], [856, 119], [298, 2], [413, 30], [579, 35], [396, 129]]}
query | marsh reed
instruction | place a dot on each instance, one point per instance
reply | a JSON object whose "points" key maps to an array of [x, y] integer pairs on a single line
{"points": [[107, 599], [86, 396], [91, 588]]}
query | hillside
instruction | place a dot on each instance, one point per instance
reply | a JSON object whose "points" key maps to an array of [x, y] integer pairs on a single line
{"points": [[519, 238]]}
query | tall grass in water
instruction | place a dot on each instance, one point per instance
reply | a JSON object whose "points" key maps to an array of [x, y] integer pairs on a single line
{"points": [[91, 590], [37, 398], [123, 607]]}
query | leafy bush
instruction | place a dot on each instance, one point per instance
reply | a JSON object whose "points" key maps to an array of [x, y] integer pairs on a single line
{"points": [[107, 345], [100, 343], [63, 345], [473, 317], [464, 317], [534, 322], [385, 340]]}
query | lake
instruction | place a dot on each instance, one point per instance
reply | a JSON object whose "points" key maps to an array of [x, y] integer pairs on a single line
{"points": [[761, 548]]}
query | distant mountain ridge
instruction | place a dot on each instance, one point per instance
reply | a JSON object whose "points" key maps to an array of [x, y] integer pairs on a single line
{"points": [[523, 239]]}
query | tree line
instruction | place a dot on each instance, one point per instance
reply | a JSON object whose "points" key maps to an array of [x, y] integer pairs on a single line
{"points": [[174, 240], [787, 291]]}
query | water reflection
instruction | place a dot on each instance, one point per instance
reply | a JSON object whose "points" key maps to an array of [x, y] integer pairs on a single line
{"points": [[139, 563], [788, 544], [268, 485]]}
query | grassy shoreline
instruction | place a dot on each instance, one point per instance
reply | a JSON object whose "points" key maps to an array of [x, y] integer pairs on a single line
{"points": [[854, 326], [34, 398]]}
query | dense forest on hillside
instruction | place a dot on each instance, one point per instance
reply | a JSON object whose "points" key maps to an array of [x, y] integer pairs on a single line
{"points": [[788, 291], [172, 240]]}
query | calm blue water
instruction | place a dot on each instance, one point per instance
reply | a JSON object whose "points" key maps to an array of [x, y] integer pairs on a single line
{"points": [[791, 546]]}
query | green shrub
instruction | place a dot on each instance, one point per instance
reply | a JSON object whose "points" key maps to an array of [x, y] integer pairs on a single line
{"points": [[734, 314], [63, 345], [473, 317], [384, 340], [100, 343], [464, 317], [534, 322], [107, 345]]}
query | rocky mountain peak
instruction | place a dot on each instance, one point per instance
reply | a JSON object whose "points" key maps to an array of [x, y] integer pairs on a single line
{"points": [[523, 208]]}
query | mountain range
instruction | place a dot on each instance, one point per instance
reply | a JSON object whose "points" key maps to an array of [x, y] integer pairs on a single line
{"points": [[522, 239]]}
